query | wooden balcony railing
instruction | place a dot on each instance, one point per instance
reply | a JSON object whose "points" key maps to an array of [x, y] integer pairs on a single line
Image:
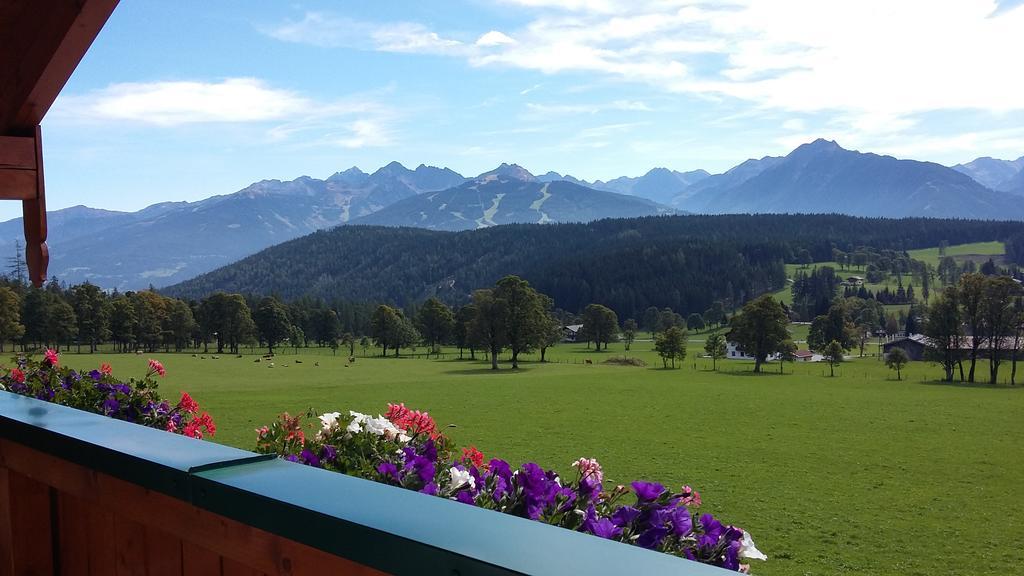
{"points": [[85, 494]]}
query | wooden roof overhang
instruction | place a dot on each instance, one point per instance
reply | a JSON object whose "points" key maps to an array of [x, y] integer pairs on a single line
{"points": [[41, 44]]}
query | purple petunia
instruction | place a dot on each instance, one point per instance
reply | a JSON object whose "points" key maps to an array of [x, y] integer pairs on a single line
{"points": [[605, 528], [648, 491]]}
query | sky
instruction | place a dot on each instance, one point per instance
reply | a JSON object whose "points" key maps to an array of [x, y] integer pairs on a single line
{"points": [[188, 99]]}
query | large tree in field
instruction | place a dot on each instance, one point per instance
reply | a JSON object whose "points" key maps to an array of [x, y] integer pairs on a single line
{"points": [[11, 328], [600, 324], [488, 328], [943, 326], [999, 318], [122, 322], [833, 353], [435, 322], [272, 322], [715, 347], [180, 324], [833, 326], [896, 359], [972, 298], [228, 319], [551, 334], [92, 311], [670, 344], [526, 314], [759, 328], [460, 329], [385, 325]]}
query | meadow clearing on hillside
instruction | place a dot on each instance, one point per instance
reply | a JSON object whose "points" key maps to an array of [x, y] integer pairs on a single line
{"points": [[857, 474]]}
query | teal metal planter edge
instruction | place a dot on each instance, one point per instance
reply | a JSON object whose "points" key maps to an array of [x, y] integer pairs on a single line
{"points": [[391, 529]]}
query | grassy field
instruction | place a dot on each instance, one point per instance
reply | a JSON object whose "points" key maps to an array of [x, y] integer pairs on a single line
{"points": [[858, 474], [979, 252]]}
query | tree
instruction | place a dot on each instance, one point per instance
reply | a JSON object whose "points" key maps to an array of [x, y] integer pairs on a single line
{"points": [[999, 318], [943, 328], [896, 359], [11, 328], [550, 335], [227, 318], [670, 344], [384, 327], [122, 322], [833, 353], [760, 328], [787, 353], [695, 322], [629, 330], [92, 312], [487, 330], [460, 329], [972, 296], [650, 319], [525, 314], [715, 347], [832, 326], [600, 324], [435, 322], [405, 335], [180, 324], [62, 326], [272, 322]]}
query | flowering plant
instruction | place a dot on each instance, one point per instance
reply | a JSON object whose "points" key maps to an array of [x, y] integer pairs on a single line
{"points": [[404, 448], [99, 392]]}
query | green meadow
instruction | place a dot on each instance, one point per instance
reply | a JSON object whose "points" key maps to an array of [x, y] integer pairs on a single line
{"points": [[857, 474]]}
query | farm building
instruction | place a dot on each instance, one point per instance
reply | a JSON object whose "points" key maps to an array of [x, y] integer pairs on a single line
{"points": [[913, 345], [733, 351], [571, 332]]}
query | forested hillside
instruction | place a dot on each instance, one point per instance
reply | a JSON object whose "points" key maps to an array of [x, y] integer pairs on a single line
{"points": [[681, 262]]}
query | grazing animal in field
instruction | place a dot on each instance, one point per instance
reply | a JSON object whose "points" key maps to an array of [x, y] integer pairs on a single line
{"points": [[316, 363], [258, 360], [239, 356], [298, 361], [271, 365], [588, 361], [202, 357], [138, 352], [351, 359], [193, 355], [215, 357]]}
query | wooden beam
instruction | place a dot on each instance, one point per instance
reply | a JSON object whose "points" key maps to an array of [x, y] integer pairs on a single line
{"points": [[37, 254], [18, 152], [41, 44], [17, 184]]}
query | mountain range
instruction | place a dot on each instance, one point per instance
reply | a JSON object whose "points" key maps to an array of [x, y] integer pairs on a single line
{"points": [[169, 242]]}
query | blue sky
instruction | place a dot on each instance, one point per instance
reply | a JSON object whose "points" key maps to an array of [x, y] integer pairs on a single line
{"points": [[184, 100]]}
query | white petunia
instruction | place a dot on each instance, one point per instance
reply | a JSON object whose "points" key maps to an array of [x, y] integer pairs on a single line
{"points": [[329, 420], [459, 479], [381, 426], [748, 550], [353, 427]]}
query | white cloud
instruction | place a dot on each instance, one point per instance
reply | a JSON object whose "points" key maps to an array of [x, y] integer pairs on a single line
{"points": [[186, 102], [494, 38], [351, 123], [325, 30]]}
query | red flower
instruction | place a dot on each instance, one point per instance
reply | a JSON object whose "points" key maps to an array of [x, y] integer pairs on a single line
{"points": [[473, 456], [171, 426], [18, 376], [187, 404], [194, 429], [106, 369], [156, 367], [51, 357]]}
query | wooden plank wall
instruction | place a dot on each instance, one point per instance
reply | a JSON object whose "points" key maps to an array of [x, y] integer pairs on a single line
{"points": [[58, 518]]}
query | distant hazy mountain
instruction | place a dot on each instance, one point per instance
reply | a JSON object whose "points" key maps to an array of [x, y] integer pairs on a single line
{"points": [[659, 184], [993, 173], [510, 194], [170, 242], [822, 177], [733, 177]]}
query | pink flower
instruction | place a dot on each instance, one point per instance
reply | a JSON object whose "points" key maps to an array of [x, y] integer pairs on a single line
{"points": [[155, 367], [589, 467], [171, 427], [105, 369], [51, 357], [691, 497], [262, 431], [18, 376], [473, 456]]}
